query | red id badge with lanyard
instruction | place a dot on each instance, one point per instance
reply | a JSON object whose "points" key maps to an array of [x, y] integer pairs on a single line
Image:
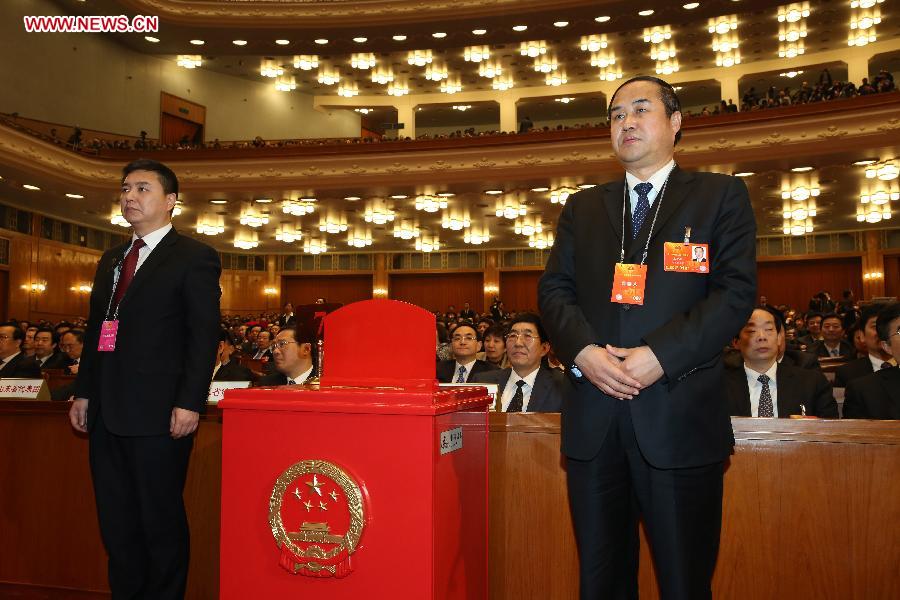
{"points": [[108, 331], [629, 282]]}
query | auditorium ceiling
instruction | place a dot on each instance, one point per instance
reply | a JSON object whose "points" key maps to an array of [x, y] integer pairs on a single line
{"points": [[562, 26]]}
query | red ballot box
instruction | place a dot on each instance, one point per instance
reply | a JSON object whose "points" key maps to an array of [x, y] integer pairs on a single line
{"points": [[371, 484]]}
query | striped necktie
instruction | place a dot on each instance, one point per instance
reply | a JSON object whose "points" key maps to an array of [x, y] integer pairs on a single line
{"points": [[461, 375]]}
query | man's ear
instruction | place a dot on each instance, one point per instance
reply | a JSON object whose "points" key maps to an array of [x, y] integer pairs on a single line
{"points": [[675, 121], [887, 348]]}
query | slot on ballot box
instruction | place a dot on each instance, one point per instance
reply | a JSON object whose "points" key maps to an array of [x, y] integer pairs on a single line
{"points": [[374, 481]]}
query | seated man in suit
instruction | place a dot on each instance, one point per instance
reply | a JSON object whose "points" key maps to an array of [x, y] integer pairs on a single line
{"points": [[45, 351], [72, 343], [465, 344], [877, 396], [293, 358], [833, 344], [28, 342], [13, 363], [763, 387], [249, 348], [733, 359], [263, 343], [876, 356], [227, 369], [813, 331], [527, 385]]}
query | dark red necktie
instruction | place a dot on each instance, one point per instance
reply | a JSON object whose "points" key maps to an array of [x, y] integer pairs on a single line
{"points": [[128, 268]]}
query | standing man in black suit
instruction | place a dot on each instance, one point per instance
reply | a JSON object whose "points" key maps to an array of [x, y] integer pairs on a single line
{"points": [[527, 385], [645, 425], [148, 356], [465, 343], [877, 396], [764, 387], [876, 357]]}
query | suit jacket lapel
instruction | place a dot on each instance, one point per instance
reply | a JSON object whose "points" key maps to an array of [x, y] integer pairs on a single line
{"points": [[675, 194], [891, 383], [787, 392], [612, 199], [163, 249], [740, 381], [540, 392]]}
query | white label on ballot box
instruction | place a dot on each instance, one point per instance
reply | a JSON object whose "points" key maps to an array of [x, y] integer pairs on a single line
{"points": [[217, 389], [451, 440], [24, 389]]}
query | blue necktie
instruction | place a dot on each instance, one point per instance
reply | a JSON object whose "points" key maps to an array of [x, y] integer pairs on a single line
{"points": [[461, 375], [642, 208]]}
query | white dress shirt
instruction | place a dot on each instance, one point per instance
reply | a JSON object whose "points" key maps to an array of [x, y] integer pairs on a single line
{"points": [[510, 390], [756, 388], [5, 361], [150, 240], [300, 379], [468, 366], [657, 179]]}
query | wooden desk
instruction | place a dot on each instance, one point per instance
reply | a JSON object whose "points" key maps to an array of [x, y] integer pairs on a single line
{"points": [[811, 510]]}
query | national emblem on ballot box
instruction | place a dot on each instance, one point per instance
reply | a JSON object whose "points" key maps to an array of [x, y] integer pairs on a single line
{"points": [[317, 515]]}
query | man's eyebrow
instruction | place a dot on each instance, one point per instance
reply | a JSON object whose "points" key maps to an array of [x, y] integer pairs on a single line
{"points": [[637, 101]]}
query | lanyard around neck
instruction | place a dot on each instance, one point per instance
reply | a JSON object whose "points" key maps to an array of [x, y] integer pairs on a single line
{"points": [[626, 202]]}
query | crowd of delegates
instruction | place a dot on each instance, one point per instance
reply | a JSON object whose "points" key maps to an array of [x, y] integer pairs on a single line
{"points": [[825, 89], [773, 367]]}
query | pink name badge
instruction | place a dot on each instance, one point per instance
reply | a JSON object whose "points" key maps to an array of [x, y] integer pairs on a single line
{"points": [[108, 332]]}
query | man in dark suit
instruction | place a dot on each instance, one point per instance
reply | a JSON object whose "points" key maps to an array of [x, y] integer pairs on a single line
{"points": [[249, 346], [877, 396], [833, 344], [144, 378], [465, 343], [527, 385], [13, 362], [293, 358], [876, 356], [467, 312], [225, 368], [286, 319], [813, 332], [45, 350], [645, 425], [763, 387]]}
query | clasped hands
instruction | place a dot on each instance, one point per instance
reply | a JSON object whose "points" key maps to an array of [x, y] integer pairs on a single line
{"points": [[619, 372]]}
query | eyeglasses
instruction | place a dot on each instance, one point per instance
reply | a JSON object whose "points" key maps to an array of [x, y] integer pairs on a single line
{"points": [[464, 338], [514, 336], [282, 344], [890, 336]]}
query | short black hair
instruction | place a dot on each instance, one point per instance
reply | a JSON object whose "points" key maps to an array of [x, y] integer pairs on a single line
{"points": [[301, 334], [832, 315], [870, 311], [54, 337], [666, 94], [225, 336], [813, 314], [779, 318], [78, 333], [497, 331], [885, 316], [166, 175], [470, 326], [533, 319], [18, 334]]}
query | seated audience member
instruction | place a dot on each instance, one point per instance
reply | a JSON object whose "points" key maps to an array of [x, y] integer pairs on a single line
{"points": [[13, 363], [443, 351], [293, 358], [227, 369], [763, 387], [484, 323], [28, 342], [467, 312], [527, 385], [72, 343], [813, 331], [263, 343], [877, 396], [876, 356], [45, 351], [495, 346], [249, 348], [833, 344], [465, 344]]}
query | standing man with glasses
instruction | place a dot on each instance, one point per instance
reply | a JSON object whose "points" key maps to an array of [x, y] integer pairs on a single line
{"points": [[527, 385], [141, 389], [465, 343], [641, 327]]}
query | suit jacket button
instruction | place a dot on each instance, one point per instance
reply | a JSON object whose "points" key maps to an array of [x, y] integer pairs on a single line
{"points": [[626, 307]]}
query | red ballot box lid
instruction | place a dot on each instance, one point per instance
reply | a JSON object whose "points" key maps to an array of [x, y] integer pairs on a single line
{"points": [[358, 399]]}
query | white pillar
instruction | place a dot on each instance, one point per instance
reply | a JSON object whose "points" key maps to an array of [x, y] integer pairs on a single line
{"points": [[509, 119], [729, 90], [857, 68], [406, 114]]}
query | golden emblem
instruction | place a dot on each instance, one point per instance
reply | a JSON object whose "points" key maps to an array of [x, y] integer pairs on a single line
{"points": [[325, 507]]}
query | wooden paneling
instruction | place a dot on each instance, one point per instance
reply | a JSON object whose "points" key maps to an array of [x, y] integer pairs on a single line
{"points": [[242, 292], [794, 282], [4, 295], [518, 290], [437, 291], [810, 510], [304, 289], [892, 275], [181, 108]]}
